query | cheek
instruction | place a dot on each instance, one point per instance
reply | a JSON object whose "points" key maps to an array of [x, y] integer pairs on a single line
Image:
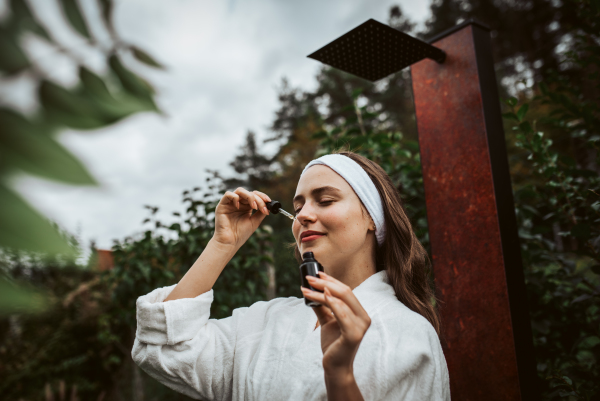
{"points": [[295, 229], [343, 225]]}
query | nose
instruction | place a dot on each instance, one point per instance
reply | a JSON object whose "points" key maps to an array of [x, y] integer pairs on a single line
{"points": [[307, 214]]}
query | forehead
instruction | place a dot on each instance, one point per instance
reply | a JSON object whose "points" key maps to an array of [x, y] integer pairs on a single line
{"points": [[318, 176]]}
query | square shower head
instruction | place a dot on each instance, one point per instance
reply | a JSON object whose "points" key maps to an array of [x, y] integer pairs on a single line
{"points": [[374, 50]]}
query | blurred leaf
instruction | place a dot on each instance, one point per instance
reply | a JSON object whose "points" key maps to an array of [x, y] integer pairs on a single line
{"points": [[32, 149], [145, 57], [355, 94], [13, 58], [75, 17], [23, 228], [129, 80], [109, 108], [24, 19], [511, 101], [20, 299], [107, 8], [510, 116], [522, 111], [94, 84], [65, 107]]}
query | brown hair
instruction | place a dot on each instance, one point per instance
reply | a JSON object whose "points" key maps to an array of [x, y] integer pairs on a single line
{"points": [[401, 254]]}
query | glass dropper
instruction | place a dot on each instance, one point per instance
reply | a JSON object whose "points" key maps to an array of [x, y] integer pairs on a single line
{"points": [[275, 207]]}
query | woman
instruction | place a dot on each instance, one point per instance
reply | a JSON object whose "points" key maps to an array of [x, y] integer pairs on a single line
{"points": [[375, 337]]}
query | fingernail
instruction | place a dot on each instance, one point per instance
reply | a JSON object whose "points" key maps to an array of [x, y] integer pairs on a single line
{"points": [[310, 278], [265, 211], [254, 206]]}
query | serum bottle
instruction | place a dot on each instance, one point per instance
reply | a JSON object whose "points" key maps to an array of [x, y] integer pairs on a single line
{"points": [[310, 267]]}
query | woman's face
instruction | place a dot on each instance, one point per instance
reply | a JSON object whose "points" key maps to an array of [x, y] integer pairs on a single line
{"points": [[330, 220]]}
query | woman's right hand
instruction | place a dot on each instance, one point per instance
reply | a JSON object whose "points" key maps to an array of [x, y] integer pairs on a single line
{"points": [[234, 221]]}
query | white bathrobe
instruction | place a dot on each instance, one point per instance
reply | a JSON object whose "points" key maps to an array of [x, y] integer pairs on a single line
{"points": [[271, 350]]}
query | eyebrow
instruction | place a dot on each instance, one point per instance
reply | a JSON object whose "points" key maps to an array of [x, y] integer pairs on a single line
{"points": [[316, 192]]}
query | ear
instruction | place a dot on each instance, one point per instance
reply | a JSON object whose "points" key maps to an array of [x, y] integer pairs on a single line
{"points": [[371, 225]]}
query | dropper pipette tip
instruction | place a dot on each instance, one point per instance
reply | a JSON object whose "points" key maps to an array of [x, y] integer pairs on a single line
{"points": [[286, 214]]}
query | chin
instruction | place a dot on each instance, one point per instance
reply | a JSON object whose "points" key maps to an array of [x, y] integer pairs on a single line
{"points": [[314, 248]]}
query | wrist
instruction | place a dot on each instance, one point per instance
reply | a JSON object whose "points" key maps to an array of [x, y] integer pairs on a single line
{"points": [[224, 248], [339, 376], [342, 386]]}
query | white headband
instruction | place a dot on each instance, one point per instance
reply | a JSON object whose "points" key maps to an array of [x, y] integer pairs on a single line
{"points": [[359, 180]]}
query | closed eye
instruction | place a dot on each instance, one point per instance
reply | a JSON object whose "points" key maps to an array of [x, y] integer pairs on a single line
{"points": [[322, 203]]}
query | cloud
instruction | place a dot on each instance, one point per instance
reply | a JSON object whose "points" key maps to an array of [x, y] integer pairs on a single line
{"points": [[224, 60]]}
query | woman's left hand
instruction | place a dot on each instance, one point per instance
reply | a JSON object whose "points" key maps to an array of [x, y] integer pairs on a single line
{"points": [[343, 321]]}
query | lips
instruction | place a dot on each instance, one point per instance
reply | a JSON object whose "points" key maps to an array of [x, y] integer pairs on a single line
{"points": [[310, 235]]}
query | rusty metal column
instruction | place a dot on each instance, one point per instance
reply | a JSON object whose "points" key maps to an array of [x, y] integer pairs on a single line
{"points": [[470, 209]]}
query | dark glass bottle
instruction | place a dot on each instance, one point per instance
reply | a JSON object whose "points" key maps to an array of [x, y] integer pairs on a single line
{"points": [[310, 267]]}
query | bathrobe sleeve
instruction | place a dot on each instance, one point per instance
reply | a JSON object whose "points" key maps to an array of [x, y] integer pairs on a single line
{"points": [[417, 369], [177, 344]]}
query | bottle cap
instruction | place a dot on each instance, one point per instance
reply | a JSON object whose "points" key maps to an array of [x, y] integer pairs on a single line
{"points": [[273, 206], [308, 255]]}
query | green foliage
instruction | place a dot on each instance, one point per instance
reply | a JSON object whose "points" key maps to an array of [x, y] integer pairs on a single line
{"points": [[558, 212], [28, 141], [557, 204], [84, 338], [366, 133], [152, 261]]}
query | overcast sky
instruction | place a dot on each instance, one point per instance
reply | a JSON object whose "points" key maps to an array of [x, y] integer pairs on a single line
{"points": [[225, 61]]}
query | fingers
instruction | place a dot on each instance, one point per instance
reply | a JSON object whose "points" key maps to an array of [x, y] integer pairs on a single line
{"points": [[255, 200], [352, 326], [232, 199], [338, 290], [264, 196], [260, 200], [324, 314]]}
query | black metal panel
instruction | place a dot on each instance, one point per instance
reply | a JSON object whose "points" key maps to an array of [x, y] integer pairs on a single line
{"points": [[511, 248], [374, 50]]}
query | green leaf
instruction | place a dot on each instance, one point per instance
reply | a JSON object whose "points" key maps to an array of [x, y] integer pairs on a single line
{"points": [[13, 58], [31, 148], [75, 17], [20, 299], [24, 228], [65, 107], [510, 116], [106, 7], [23, 18], [108, 107], [522, 111], [355, 94], [94, 84], [145, 58], [131, 82], [526, 127]]}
